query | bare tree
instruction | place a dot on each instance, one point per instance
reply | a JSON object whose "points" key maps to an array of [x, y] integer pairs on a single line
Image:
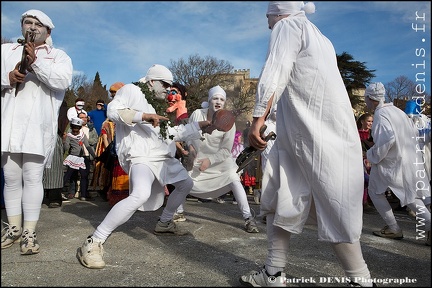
{"points": [[78, 80], [80, 87], [198, 75], [402, 89]]}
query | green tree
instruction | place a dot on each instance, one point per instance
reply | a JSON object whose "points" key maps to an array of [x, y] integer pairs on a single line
{"points": [[355, 75], [98, 91]]}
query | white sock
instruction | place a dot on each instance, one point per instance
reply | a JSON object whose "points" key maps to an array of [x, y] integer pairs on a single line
{"points": [[351, 259], [273, 270], [394, 227]]}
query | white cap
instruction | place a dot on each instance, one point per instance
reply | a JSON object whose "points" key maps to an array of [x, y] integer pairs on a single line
{"points": [[158, 72], [42, 17], [375, 91], [76, 121], [216, 90]]}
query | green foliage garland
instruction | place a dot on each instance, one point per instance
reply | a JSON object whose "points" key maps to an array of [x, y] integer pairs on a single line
{"points": [[159, 106]]}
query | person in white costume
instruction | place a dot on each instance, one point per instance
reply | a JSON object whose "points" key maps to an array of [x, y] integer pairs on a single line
{"points": [[314, 168], [29, 124], [149, 160], [214, 171], [396, 163]]}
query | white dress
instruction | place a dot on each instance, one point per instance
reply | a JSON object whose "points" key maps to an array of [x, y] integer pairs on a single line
{"points": [[215, 180], [317, 153]]}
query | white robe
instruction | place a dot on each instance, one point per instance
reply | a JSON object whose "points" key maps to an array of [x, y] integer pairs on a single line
{"points": [[142, 143], [29, 120], [215, 180], [317, 152], [394, 154]]}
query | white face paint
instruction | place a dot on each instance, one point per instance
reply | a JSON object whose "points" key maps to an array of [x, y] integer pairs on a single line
{"points": [[216, 103], [160, 89], [33, 25]]}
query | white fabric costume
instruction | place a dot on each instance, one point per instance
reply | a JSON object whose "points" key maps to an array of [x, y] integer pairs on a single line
{"points": [[213, 182], [315, 164], [29, 120], [221, 176], [142, 143], [394, 154], [317, 152]]}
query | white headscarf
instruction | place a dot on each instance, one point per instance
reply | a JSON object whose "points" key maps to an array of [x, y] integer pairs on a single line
{"points": [[375, 91], [289, 7], [42, 17], [216, 90], [158, 72]]}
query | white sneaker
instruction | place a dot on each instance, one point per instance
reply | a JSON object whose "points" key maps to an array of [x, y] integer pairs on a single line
{"points": [[251, 226], [29, 244], [90, 254], [179, 217], [262, 279], [220, 200], [10, 235]]}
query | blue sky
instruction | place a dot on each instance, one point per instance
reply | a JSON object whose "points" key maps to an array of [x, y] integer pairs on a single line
{"points": [[121, 40]]}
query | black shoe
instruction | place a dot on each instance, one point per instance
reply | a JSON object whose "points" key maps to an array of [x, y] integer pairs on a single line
{"points": [[87, 199]]}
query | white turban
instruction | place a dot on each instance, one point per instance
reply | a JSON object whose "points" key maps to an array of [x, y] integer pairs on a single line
{"points": [[375, 91], [289, 7], [42, 17], [158, 72], [217, 90]]}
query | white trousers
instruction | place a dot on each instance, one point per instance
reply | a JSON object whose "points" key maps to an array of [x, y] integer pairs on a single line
{"points": [[23, 187], [239, 195], [383, 207], [141, 178]]}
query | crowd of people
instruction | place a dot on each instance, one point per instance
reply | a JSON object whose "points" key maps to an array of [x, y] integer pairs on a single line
{"points": [[325, 165]]}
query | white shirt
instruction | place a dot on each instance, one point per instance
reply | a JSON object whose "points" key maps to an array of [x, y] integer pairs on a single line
{"points": [[73, 112], [29, 120]]}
